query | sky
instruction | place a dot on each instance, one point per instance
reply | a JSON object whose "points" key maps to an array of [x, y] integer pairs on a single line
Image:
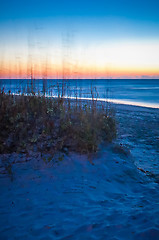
{"points": [[79, 39]]}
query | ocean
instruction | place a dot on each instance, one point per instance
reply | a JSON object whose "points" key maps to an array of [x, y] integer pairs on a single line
{"points": [[139, 92]]}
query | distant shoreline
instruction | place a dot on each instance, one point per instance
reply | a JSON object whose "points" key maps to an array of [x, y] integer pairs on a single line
{"points": [[114, 101], [123, 102]]}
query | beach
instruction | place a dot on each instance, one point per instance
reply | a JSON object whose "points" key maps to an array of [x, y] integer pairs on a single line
{"points": [[112, 194]]}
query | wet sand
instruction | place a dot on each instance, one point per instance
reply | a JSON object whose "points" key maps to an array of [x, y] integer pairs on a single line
{"points": [[109, 195]]}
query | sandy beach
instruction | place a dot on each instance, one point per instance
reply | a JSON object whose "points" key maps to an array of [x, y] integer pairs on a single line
{"points": [[112, 194]]}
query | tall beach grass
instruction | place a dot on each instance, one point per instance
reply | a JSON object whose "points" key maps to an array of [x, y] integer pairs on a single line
{"points": [[32, 121]]}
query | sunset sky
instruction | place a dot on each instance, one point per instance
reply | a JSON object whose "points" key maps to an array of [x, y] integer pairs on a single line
{"points": [[79, 39]]}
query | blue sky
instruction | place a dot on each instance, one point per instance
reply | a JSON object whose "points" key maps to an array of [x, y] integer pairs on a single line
{"points": [[28, 9]]}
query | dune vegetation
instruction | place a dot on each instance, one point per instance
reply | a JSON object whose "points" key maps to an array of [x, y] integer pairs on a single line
{"points": [[47, 125]]}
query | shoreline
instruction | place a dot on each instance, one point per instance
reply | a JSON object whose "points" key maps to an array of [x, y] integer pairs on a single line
{"points": [[120, 102], [117, 102]]}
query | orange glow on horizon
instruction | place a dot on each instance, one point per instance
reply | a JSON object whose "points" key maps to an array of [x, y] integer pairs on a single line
{"points": [[80, 73]]}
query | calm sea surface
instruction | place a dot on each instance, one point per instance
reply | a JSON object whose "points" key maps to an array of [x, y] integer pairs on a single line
{"points": [[140, 92]]}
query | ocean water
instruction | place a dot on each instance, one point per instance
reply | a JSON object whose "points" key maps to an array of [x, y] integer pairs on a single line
{"points": [[141, 92]]}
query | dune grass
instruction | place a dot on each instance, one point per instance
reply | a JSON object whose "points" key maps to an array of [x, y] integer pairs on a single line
{"points": [[43, 124]]}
